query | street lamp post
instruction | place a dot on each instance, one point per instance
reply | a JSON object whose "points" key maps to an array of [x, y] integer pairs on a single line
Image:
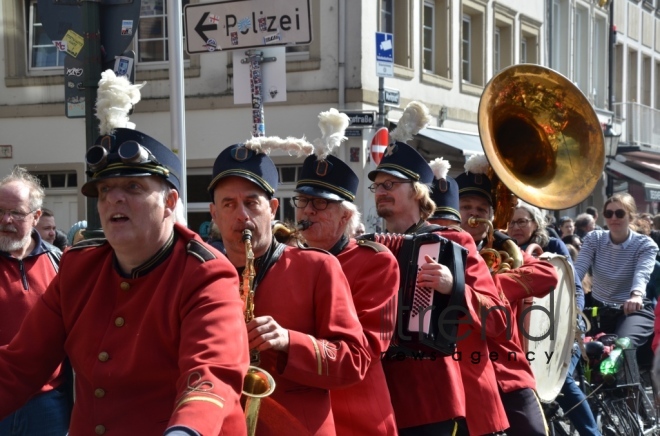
{"points": [[611, 146]]}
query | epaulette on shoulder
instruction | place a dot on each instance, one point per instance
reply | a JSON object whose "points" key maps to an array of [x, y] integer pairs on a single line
{"points": [[378, 248], [200, 251], [87, 243], [320, 250]]}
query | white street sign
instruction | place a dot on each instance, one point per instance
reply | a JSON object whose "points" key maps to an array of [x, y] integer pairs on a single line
{"points": [[246, 23]]}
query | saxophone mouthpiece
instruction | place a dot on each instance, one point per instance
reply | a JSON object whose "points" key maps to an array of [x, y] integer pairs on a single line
{"points": [[303, 225], [247, 235]]}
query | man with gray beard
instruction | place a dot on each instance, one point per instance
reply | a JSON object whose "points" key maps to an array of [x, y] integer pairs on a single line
{"points": [[28, 265]]}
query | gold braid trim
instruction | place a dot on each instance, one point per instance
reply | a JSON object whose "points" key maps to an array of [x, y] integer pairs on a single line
{"points": [[319, 361], [200, 398]]}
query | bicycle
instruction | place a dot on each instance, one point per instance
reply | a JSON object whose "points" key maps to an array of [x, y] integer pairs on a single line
{"points": [[622, 403]]}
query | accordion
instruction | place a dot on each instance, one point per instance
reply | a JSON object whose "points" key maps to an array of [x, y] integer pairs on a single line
{"points": [[426, 321]]}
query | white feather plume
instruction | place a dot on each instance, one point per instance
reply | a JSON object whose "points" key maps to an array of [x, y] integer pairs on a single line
{"points": [[440, 168], [333, 124], [265, 144], [477, 164], [116, 96], [414, 118]]}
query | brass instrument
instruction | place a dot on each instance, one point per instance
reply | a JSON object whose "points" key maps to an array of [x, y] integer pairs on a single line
{"points": [[287, 233], [497, 261], [542, 139], [257, 383]]}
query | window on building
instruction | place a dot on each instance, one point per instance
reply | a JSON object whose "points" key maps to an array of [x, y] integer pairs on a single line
{"points": [[580, 50], [387, 16], [428, 37], [645, 85], [599, 71], [560, 34], [523, 50], [43, 55], [466, 49], [57, 179], [151, 39], [657, 85], [496, 50], [473, 43]]}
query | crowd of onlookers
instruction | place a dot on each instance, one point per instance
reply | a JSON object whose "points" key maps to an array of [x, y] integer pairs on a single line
{"points": [[49, 232], [573, 230]]}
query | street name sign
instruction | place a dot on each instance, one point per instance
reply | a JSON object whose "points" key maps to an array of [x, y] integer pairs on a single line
{"points": [[240, 24], [360, 119], [391, 97]]}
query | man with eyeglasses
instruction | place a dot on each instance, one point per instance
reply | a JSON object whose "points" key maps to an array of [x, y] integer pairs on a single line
{"points": [[150, 317], [401, 188], [515, 379], [326, 192], [305, 326], [29, 265]]}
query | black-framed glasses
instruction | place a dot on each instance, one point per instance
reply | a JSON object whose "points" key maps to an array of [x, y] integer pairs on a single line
{"points": [[387, 185], [15, 214], [317, 202], [521, 223], [609, 213]]}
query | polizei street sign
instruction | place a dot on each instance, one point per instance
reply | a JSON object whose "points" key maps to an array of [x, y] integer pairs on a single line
{"points": [[246, 24]]}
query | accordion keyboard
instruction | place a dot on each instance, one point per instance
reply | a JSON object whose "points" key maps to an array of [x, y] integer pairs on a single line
{"points": [[423, 297]]}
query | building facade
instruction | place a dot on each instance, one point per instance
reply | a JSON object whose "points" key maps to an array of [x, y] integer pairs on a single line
{"points": [[445, 52]]}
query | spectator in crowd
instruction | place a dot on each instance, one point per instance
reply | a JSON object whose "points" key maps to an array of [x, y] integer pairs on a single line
{"points": [[46, 225], [594, 213], [551, 225], [60, 241], [565, 226], [621, 261], [359, 230], [527, 227], [28, 265], [584, 223], [572, 240]]}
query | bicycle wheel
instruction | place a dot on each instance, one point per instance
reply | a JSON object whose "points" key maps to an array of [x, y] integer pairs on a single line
{"points": [[617, 418]]}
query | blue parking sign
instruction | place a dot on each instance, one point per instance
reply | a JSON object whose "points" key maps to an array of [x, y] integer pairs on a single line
{"points": [[384, 54]]}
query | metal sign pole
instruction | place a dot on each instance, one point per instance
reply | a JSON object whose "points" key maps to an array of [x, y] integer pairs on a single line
{"points": [[92, 65], [255, 59]]}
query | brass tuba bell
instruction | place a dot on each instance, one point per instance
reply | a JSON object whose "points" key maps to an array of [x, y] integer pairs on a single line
{"points": [[541, 136]]}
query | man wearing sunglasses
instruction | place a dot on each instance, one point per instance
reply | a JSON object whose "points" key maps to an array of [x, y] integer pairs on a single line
{"points": [[325, 194], [28, 265], [150, 317], [401, 188]]}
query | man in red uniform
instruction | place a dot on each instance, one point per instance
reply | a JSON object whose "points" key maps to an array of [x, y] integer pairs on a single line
{"points": [[428, 395], [28, 265], [534, 278], [477, 369], [150, 317], [326, 191], [305, 326]]}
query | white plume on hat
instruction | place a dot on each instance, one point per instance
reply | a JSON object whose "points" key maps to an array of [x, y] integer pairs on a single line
{"points": [[414, 118], [477, 164], [265, 144], [116, 96], [440, 167], [333, 125]]}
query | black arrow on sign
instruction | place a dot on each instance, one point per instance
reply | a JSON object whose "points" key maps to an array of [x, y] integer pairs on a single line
{"points": [[200, 28]]}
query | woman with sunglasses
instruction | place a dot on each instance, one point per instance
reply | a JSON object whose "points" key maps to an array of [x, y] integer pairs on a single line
{"points": [[528, 227], [621, 261]]}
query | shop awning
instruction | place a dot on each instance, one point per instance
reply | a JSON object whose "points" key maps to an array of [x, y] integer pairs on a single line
{"points": [[651, 185], [464, 142]]}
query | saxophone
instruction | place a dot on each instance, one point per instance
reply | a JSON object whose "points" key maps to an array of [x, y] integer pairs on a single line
{"points": [[257, 383]]}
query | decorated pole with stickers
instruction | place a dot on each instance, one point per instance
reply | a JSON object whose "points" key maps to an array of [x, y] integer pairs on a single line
{"points": [[255, 59]]}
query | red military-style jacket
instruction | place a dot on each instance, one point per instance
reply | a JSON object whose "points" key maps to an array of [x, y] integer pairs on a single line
{"points": [[22, 283], [432, 390], [373, 275], [165, 346], [535, 278], [306, 292]]}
